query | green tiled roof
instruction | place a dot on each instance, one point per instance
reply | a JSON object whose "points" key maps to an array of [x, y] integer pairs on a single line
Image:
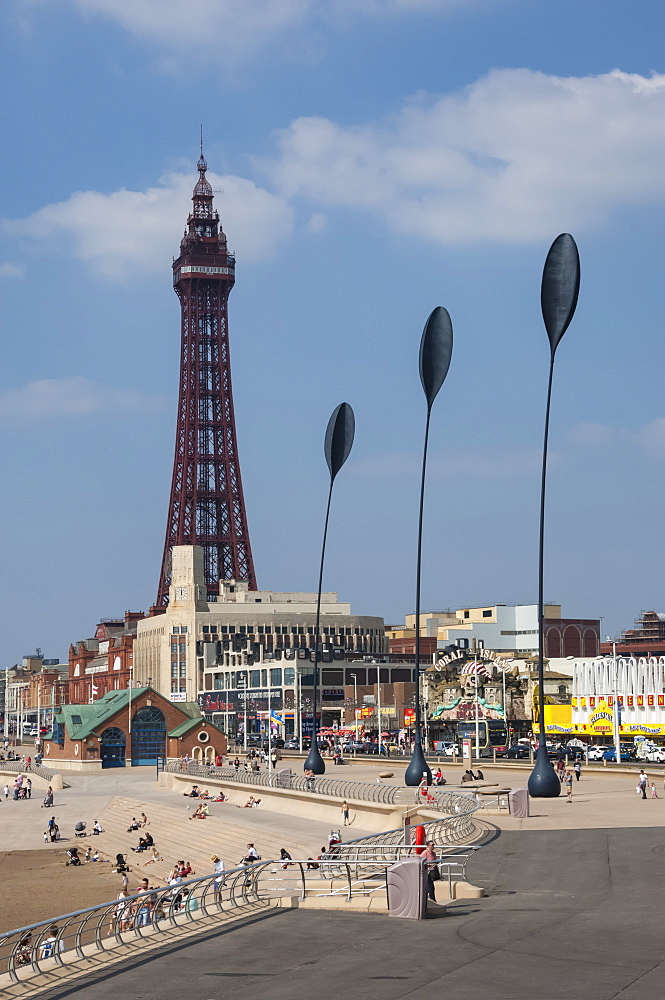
{"points": [[94, 716]]}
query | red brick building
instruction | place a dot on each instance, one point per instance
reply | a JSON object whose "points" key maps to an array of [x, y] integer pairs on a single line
{"points": [[136, 727], [104, 662]]}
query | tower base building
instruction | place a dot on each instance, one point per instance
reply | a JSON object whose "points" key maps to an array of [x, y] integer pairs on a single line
{"points": [[243, 654]]}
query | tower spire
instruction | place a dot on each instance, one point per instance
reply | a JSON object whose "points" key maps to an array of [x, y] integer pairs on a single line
{"points": [[206, 506]]}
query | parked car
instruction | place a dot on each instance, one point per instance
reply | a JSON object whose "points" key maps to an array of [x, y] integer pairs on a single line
{"points": [[361, 746], [595, 753], [656, 756], [292, 744], [445, 748], [518, 751], [276, 743], [610, 755]]}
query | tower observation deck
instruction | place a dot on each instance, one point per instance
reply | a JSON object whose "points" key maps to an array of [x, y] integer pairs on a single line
{"points": [[206, 506]]}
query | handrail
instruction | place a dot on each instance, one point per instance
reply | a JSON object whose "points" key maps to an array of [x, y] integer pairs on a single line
{"points": [[360, 791], [122, 924], [21, 767]]}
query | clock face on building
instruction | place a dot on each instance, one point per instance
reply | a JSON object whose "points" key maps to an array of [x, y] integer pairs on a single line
{"points": [[182, 593]]}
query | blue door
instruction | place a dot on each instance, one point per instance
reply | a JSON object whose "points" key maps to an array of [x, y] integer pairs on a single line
{"points": [[148, 736], [112, 747]]}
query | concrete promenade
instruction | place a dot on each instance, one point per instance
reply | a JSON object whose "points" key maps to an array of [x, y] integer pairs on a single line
{"points": [[569, 914], [573, 909]]}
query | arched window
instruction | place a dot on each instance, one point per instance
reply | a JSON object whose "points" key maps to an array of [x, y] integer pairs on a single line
{"points": [[552, 642], [572, 641], [590, 643], [148, 736]]}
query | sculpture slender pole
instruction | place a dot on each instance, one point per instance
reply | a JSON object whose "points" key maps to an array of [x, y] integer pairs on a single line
{"points": [[436, 347], [559, 293], [338, 441]]}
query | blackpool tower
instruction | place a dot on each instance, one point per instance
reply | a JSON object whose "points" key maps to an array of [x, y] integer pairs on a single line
{"points": [[207, 507]]}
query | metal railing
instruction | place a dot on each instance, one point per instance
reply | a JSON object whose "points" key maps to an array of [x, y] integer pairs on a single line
{"points": [[359, 791], [71, 942], [20, 767], [118, 926]]}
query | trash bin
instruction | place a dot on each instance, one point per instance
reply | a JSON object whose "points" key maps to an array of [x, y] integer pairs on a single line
{"points": [[518, 802], [407, 889]]}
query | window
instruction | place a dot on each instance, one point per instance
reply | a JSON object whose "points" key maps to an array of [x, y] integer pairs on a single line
{"points": [[466, 614], [206, 628], [254, 678], [213, 628], [334, 678], [76, 720], [183, 629], [289, 675], [260, 629], [401, 674], [360, 673], [487, 614], [176, 630], [276, 675]]}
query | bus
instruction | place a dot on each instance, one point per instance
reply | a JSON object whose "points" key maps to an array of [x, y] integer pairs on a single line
{"points": [[492, 735]]}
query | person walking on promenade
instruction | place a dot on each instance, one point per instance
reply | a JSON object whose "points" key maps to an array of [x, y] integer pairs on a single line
{"points": [[6, 791], [560, 769], [345, 813], [577, 768], [654, 793], [429, 857], [642, 783], [568, 779]]}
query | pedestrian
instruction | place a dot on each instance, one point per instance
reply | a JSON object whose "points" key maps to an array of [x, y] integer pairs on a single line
{"points": [[429, 858], [654, 793], [219, 871], [568, 779], [560, 769], [28, 788], [345, 813], [309, 779], [48, 798], [642, 783], [577, 768], [6, 791]]}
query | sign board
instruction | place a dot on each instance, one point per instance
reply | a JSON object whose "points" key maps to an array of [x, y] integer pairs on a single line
{"points": [[467, 751]]}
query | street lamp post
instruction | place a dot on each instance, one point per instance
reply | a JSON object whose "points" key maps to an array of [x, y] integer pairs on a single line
{"points": [[436, 348], [558, 298], [355, 703], [337, 445]]}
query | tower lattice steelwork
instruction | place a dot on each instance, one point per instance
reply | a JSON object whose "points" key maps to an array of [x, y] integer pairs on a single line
{"points": [[207, 507]]}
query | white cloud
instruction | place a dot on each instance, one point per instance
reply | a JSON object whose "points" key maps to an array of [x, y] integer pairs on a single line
{"points": [[9, 270], [230, 30], [651, 437], [72, 396], [517, 156], [126, 232]]}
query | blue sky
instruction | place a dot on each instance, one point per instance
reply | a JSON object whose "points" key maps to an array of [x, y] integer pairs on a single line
{"points": [[374, 159]]}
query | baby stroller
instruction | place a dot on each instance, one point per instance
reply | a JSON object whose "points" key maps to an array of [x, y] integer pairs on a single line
{"points": [[73, 855], [79, 829], [121, 865]]}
